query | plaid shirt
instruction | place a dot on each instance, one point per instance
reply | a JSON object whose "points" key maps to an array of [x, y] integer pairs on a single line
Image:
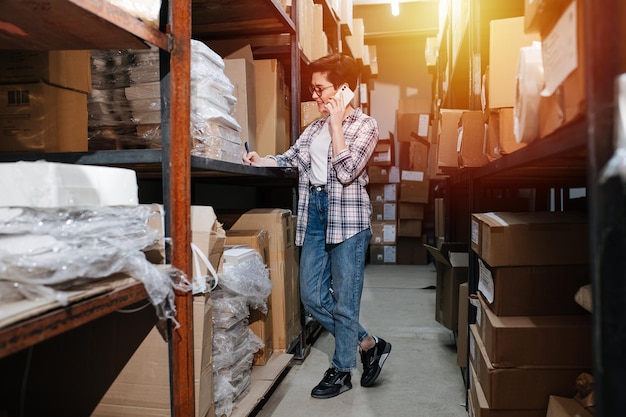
{"points": [[349, 207]]}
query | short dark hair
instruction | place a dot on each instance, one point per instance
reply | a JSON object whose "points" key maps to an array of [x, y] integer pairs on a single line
{"points": [[338, 68]]}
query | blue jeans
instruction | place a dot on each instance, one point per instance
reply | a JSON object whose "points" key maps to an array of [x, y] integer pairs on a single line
{"points": [[331, 282]]}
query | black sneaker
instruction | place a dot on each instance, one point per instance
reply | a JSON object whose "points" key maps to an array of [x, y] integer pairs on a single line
{"points": [[334, 383], [373, 360]]}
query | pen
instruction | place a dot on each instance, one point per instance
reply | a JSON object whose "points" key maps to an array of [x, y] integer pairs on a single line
{"points": [[247, 148]]}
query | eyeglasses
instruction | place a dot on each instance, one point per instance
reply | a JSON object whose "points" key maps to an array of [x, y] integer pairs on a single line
{"points": [[318, 90]]}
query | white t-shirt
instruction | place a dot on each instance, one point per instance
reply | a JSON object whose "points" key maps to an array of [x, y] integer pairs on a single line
{"points": [[319, 156]]}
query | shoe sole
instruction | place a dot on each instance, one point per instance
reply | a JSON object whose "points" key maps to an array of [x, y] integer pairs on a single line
{"points": [[379, 368], [341, 391]]}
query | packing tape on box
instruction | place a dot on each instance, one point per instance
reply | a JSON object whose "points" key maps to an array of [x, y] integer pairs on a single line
{"points": [[529, 83]]}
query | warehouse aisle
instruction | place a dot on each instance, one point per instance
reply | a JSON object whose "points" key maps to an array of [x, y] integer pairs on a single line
{"points": [[420, 378]]}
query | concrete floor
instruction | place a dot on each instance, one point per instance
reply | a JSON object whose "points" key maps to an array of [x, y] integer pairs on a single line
{"points": [[419, 379]]}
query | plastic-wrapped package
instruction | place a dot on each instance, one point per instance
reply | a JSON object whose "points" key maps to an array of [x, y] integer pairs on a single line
{"points": [[249, 278], [146, 10], [228, 310], [67, 247], [249, 345], [529, 83]]}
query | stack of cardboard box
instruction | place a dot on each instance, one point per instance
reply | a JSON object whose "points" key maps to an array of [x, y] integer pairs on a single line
{"points": [[384, 182], [44, 101], [531, 340]]}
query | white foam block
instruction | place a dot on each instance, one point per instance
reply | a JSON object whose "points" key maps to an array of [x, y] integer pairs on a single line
{"points": [[49, 184]]}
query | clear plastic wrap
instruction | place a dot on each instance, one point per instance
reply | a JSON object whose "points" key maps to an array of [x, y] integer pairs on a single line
{"points": [[249, 278], [226, 359], [67, 247], [228, 309]]}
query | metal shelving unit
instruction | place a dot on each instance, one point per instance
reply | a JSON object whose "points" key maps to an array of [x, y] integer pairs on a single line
{"points": [[571, 157]]}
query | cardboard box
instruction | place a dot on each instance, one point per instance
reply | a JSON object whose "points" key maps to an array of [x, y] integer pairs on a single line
{"points": [[42, 118], [309, 113], [414, 188], [479, 407], [65, 69], [411, 251], [519, 388], [384, 233], [419, 155], [383, 211], [383, 192], [380, 255], [409, 227], [240, 72], [506, 37], [440, 218], [532, 290], [451, 261], [535, 341], [207, 233], [285, 297], [563, 57], [472, 139], [143, 386], [259, 323], [272, 108], [500, 133], [383, 154], [530, 238], [414, 105], [410, 210], [541, 15], [566, 407], [461, 340], [448, 142], [383, 175]]}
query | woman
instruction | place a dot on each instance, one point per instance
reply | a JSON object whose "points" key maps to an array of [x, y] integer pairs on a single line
{"points": [[334, 226]]}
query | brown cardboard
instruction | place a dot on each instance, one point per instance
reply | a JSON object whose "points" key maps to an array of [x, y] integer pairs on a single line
{"points": [[411, 251], [42, 118], [532, 290], [410, 210], [143, 386], [380, 255], [383, 192], [506, 37], [472, 138], [383, 154], [452, 270], [414, 188], [384, 211], [272, 108], [285, 297], [501, 123], [541, 15], [530, 238], [479, 407], [535, 341], [568, 103], [259, 323], [448, 147], [519, 388], [418, 156], [207, 233], [383, 174], [440, 218], [65, 69], [384, 233], [407, 123], [566, 407], [409, 228], [240, 72]]}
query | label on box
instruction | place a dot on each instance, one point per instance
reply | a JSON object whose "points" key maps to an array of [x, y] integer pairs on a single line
{"points": [[422, 127], [475, 231], [412, 176], [389, 211], [560, 50], [389, 233], [390, 192], [394, 174], [485, 281], [390, 254]]}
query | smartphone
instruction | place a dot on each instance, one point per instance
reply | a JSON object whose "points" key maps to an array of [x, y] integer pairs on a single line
{"points": [[348, 95]]}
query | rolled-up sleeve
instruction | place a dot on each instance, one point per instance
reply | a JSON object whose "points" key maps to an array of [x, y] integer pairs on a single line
{"points": [[361, 139]]}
